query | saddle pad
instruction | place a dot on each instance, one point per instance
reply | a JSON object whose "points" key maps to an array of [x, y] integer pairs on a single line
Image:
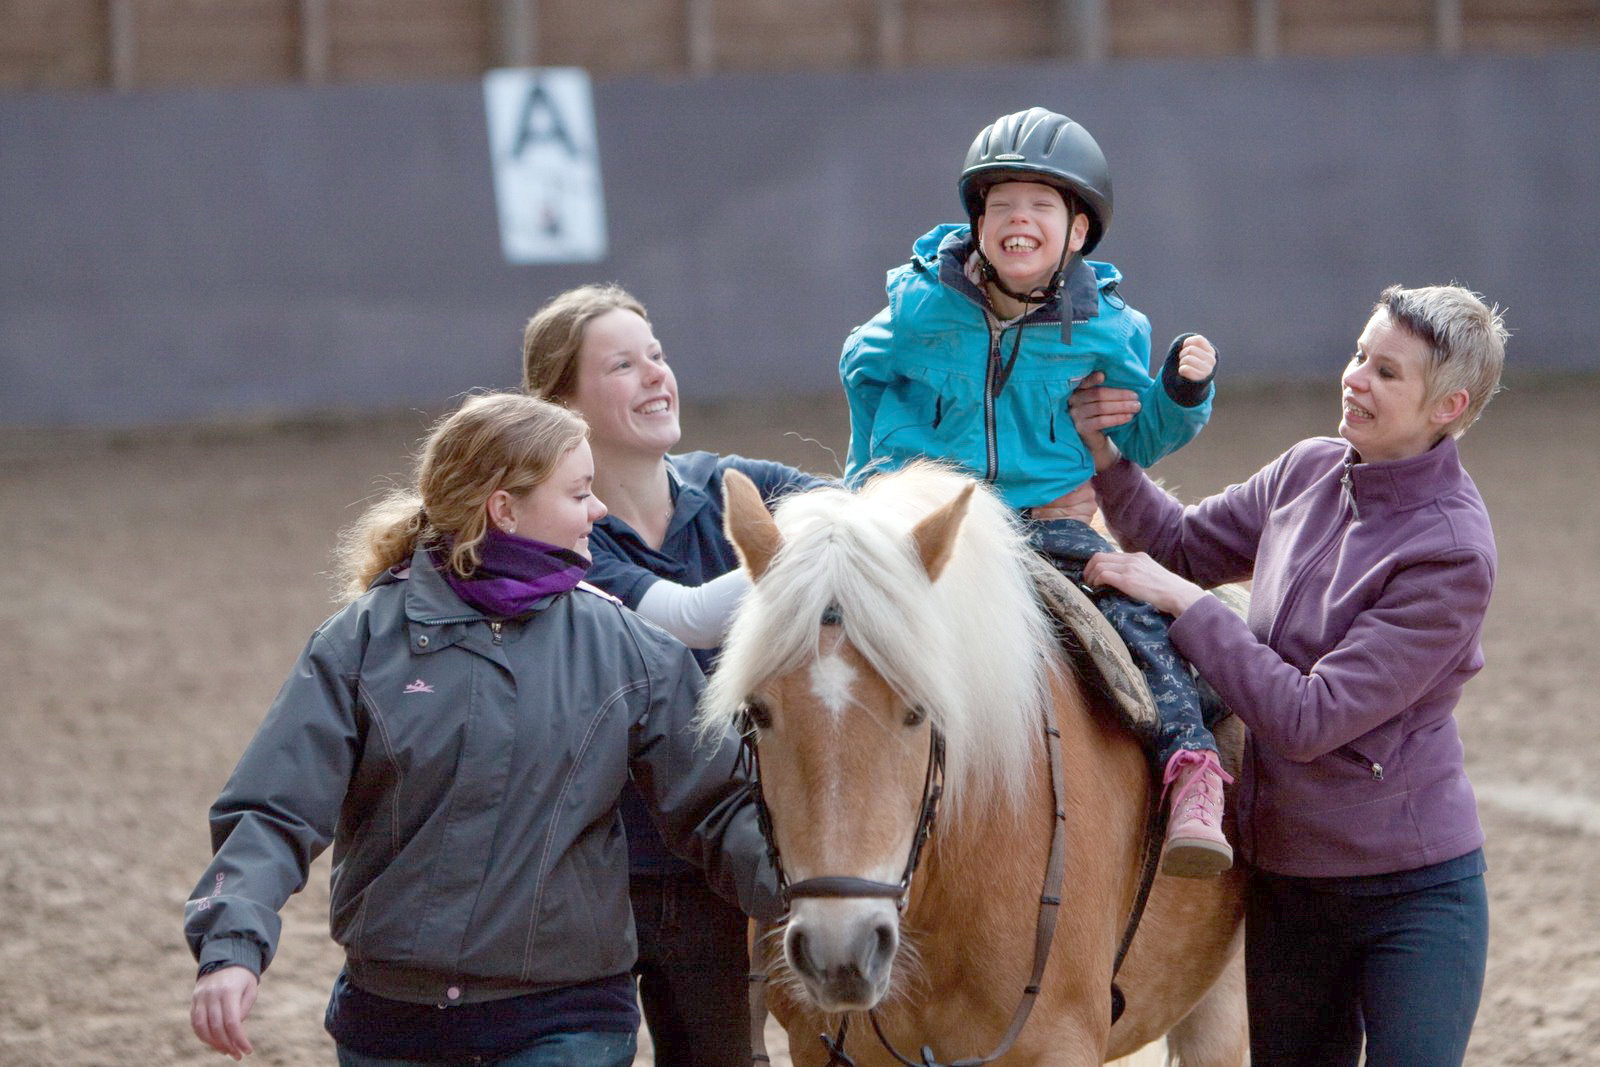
{"points": [[1098, 651], [1092, 643]]}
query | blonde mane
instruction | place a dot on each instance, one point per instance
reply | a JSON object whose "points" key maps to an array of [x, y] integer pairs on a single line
{"points": [[973, 649]]}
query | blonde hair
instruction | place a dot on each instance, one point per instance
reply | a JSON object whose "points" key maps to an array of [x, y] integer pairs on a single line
{"points": [[553, 337], [1466, 341], [493, 441]]}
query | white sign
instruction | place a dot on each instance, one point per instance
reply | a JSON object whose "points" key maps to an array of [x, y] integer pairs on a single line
{"points": [[546, 165]]}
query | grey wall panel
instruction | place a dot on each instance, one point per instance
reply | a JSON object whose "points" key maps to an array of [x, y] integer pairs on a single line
{"points": [[186, 254]]}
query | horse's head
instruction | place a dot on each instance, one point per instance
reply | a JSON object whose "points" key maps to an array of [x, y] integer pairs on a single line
{"points": [[845, 671]]}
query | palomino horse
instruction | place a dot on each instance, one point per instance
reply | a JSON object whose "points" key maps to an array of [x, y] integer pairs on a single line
{"points": [[892, 644]]}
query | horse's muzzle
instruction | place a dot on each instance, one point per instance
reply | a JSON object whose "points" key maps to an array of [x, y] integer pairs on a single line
{"points": [[843, 950]]}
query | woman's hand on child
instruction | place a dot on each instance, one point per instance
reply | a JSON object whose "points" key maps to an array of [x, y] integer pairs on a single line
{"points": [[1097, 408], [1142, 578], [217, 1011], [1196, 359]]}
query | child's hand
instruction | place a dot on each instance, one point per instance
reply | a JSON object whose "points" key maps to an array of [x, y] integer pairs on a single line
{"points": [[1196, 359]]}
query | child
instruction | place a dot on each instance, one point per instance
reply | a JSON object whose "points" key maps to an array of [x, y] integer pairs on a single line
{"points": [[461, 733], [988, 331]]}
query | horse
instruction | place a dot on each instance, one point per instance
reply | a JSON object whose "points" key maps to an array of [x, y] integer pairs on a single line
{"points": [[899, 682]]}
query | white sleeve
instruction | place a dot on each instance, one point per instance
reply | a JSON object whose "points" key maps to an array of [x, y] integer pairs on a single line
{"points": [[697, 615]]}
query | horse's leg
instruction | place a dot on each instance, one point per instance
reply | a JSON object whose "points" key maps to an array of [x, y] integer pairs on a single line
{"points": [[1216, 1032]]}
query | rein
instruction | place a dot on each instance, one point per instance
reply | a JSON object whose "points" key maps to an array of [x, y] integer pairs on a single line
{"points": [[1044, 932]]}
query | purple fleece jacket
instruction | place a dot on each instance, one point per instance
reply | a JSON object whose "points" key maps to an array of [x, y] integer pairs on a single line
{"points": [[1370, 585]]}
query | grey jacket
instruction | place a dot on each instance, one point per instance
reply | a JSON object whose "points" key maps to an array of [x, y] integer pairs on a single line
{"points": [[467, 775]]}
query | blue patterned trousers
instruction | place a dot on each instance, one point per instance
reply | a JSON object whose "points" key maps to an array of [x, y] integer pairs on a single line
{"points": [[1068, 544]]}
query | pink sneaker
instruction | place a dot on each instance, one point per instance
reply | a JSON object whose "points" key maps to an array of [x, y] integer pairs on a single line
{"points": [[1195, 846]]}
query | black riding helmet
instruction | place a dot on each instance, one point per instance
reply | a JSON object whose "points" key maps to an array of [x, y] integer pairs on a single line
{"points": [[1040, 146]]}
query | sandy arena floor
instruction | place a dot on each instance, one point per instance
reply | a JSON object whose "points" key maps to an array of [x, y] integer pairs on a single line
{"points": [[162, 583]]}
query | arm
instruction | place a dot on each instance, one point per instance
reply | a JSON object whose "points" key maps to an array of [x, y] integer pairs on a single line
{"points": [[700, 799], [1395, 654], [1174, 406], [275, 815], [697, 615], [1209, 544]]}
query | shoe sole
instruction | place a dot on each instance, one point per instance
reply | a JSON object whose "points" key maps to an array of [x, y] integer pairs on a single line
{"points": [[1195, 859]]}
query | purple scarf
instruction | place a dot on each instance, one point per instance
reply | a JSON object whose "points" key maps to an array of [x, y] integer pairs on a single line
{"points": [[515, 574]]}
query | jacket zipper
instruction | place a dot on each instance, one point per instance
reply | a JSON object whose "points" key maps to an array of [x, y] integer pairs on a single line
{"points": [[1348, 752], [1322, 554], [495, 628], [990, 376], [1349, 489]]}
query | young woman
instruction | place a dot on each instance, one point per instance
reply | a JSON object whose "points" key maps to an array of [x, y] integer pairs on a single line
{"points": [[461, 733], [662, 552], [1372, 561]]}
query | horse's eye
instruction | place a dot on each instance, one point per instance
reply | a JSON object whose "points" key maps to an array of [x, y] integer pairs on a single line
{"points": [[916, 715], [754, 716]]}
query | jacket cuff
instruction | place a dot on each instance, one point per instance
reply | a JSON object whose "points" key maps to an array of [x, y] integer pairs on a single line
{"points": [[1183, 392], [232, 951]]}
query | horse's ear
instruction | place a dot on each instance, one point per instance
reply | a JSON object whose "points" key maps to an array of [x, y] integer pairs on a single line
{"points": [[749, 524], [935, 536]]}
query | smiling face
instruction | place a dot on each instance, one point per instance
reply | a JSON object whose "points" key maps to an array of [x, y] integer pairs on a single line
{"points": [[625, 390], [1023, 231], [559, 510], [1386, 414]]}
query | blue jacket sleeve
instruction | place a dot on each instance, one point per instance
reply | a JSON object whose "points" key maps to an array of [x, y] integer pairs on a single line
{"points": [[864, 370], [1172, 411], [774, 480], [277, 813]]}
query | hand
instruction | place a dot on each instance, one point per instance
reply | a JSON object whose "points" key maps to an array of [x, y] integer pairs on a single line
{"points": [[1096, 409], [1196, 359], [1078, 504], [1142, 578], [217, 1010]]}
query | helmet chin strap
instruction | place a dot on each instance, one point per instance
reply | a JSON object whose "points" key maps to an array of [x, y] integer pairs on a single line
{"points": [[1056, 287]]}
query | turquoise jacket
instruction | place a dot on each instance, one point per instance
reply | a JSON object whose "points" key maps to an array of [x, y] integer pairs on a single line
{"points": [[928, 377]]}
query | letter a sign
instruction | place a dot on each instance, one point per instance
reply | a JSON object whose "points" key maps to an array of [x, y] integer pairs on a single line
{"points": [[546, 165]]}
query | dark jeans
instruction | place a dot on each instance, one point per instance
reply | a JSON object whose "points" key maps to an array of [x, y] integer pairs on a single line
{"points": [[1068, 544], [584, 1049], [692, 971], [1323, 968]]}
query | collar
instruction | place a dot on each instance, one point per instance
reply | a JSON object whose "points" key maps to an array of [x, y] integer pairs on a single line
{"points": [[688, 499], [439, 618], [1082, 285], [1403, 484]]}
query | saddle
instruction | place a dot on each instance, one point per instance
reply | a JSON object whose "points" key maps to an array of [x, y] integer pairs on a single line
{"points": [[1097, 651]]}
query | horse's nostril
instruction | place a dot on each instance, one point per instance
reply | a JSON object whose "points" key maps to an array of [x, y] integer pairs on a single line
{"points": [[885, 944], [798, 959]]}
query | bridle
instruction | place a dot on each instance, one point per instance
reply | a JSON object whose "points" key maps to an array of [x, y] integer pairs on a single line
{"points": [[837, 886]]}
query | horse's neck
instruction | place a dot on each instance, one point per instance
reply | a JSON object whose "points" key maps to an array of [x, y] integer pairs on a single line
{"points": [[985, 871]]}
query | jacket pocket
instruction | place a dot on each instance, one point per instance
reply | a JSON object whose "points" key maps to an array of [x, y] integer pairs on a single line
{"points": [[1351, 754]]}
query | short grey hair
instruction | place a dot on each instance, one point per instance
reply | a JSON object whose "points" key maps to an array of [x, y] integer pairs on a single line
{"points": [[1466, 341]]}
